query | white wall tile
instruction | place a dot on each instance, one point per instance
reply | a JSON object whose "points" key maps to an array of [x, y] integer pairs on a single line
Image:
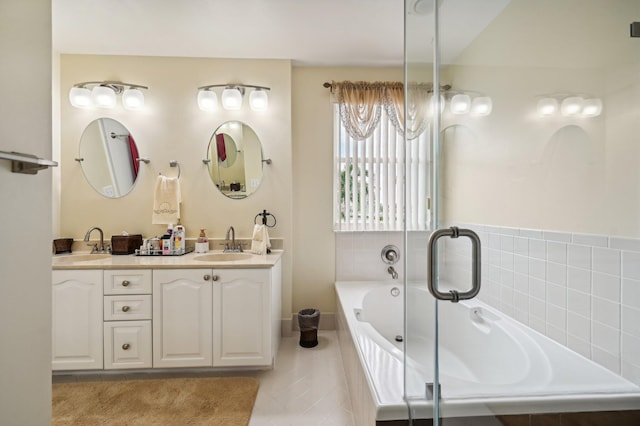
{"points": [[630, 293], [631, 323], [556, 273], [537, 308], [579, 303], [538, 249], [506, 260], [630, 348], [531, 233], [521, 264], [521, 246], [521, 283], [579, 326], [605, 338], [557, 252], [631, 265], [579, 279], [606, 260], [506, 243], [579, 256], [605, 312], [557, 236], [631, 244], [537, 288], [590, 240], [606, 286], [537, 268], [556, 295], [557, 317]]}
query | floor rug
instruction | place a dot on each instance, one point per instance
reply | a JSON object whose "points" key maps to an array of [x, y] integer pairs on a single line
{"points": [[195, 401]]}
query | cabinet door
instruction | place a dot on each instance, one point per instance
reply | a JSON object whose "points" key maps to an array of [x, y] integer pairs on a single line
{"points": [[127, 344], [182, 335], [77, 320], [241, 317]]}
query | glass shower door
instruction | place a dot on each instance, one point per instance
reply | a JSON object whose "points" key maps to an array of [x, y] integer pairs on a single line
{"points": [[535, 148]]}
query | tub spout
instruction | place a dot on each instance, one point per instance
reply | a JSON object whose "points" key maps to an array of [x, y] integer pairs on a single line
{"points": [[393, 272]]}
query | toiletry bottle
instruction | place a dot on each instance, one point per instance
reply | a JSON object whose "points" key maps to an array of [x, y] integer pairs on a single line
{"points": [[178, 239], [202, 244]]}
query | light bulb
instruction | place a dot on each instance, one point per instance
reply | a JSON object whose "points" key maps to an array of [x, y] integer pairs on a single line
{"points": [[571, 106], [207, 100], [133, 99], [481, 105], [592, 107], [103, 97], [547, 107], [460, 103], [258, 100], [80, 97], [231, 98]]}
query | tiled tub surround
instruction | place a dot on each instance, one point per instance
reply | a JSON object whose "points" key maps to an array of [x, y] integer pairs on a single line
{"points": [[583, 291]]}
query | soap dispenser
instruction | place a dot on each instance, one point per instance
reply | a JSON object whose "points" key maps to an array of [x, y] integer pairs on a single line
{"points": [[202, 244]]}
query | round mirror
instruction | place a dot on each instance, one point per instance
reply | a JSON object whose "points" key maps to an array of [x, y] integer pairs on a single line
{"points": [[234, 157], [109, 157]]}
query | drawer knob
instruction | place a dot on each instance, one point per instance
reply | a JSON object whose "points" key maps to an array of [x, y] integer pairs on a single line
{"points": [[125, 308], [207, 277], [125, 283], [214, 278], [126, 346]]}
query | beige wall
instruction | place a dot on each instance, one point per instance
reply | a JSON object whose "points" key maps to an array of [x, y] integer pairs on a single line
{"points": [[171, 127], [314, 265], [25, 255]]}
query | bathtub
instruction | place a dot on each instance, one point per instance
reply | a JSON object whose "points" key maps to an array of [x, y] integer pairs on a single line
{"points": [[489, 363]]}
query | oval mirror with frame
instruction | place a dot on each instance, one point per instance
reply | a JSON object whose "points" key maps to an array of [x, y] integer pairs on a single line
{"points": [[109, 157], [234, 158]]}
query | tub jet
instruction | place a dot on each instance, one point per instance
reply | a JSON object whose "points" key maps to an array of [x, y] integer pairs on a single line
{"points": [[399, 338]]}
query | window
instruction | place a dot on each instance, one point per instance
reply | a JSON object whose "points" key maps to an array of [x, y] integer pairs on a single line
{"points": [[369, 190]]}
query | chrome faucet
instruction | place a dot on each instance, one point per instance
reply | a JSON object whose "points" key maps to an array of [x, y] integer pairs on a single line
{"points": [[231, 246], [96, 248], [393, 272]]}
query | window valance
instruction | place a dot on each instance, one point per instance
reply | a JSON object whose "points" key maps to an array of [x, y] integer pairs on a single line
{"points": [[361, 103]]}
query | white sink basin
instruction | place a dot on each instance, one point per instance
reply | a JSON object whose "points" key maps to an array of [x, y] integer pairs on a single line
{"points": [[223, 257], [72, 258]]}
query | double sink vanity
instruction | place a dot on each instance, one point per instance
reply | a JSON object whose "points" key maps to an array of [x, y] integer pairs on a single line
{"points": [[139, 312]]}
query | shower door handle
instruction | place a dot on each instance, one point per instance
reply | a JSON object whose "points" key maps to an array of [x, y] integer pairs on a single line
{"points": [[432, 281]]}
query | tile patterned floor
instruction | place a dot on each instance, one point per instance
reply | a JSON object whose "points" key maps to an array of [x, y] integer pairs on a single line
{"points": [[305, 387]]}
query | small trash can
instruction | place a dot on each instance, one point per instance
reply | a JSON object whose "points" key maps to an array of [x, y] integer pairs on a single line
{"points": [[308, 320]]}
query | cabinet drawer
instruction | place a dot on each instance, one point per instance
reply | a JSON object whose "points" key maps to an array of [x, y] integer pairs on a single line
{"points": [[127, 344], [128, 307], [127, 281]]}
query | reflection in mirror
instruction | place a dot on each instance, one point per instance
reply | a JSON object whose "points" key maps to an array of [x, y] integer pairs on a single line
{"points": [[109, 156], [234, 157]]}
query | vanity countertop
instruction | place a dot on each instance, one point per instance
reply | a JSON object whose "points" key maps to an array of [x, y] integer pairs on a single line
{"points": [[82, 260]]}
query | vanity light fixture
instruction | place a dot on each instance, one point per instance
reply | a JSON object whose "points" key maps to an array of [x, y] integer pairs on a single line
{"points": [[569, 105], [463, 102], [231, 97], [103, 94]]}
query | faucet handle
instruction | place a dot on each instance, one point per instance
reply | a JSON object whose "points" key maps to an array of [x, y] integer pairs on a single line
{"points": [[94, 247]]}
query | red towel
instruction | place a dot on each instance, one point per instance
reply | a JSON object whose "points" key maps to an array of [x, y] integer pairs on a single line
{"points": [[134, 156], [222, 151]]}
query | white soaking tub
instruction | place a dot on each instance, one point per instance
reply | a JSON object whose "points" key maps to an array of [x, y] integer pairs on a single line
{"points": [[489, 363]]}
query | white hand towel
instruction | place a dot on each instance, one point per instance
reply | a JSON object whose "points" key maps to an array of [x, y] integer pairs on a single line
{"points": [[166, 202], [260, 239]]}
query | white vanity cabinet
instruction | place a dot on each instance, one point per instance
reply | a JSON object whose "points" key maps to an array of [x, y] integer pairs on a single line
{"points": [[246, 316], [77, 320], [127, 319], [182, 302], [190, 315]]}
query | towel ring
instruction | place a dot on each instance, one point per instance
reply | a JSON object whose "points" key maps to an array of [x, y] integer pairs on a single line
{"points": [[174, 163], [264, 215]]}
